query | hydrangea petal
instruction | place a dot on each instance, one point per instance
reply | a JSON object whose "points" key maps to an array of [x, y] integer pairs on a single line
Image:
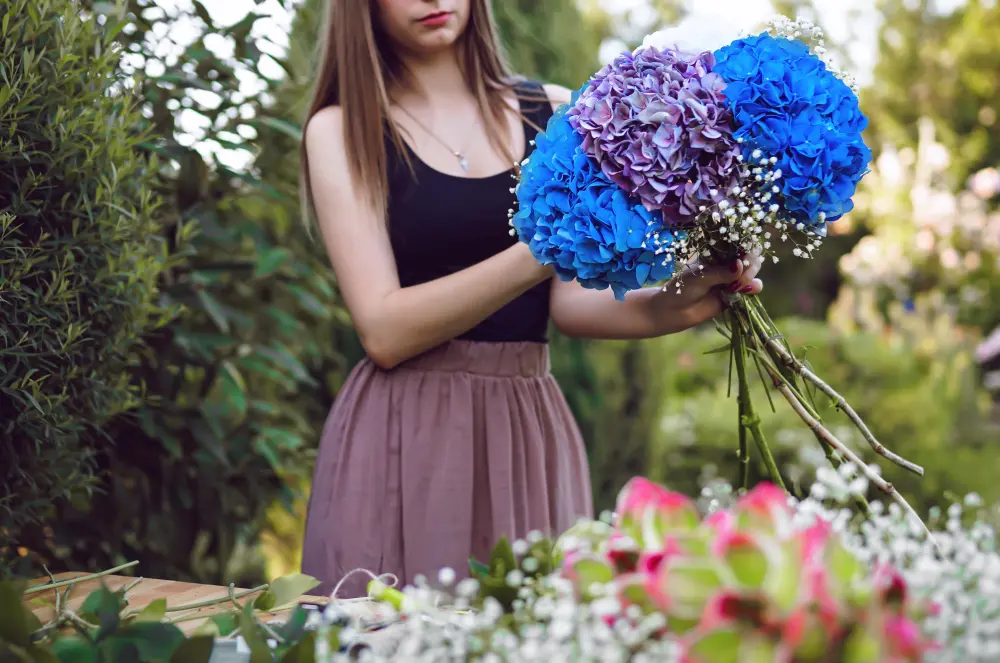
{"points": [[574, 217]]}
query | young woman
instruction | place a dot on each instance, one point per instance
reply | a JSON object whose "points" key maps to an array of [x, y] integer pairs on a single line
{"points": [[452, 432]]}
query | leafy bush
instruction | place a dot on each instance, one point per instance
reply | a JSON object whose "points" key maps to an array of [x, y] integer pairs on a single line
{"points": [[240, 382], [79, 256]]}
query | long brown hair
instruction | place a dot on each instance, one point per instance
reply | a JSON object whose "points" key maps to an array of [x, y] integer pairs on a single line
{"points": [[357, 65]]}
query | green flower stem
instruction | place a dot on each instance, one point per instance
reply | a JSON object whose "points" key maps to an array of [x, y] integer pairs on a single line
{"points": [[831, 454], [224, 599], [744, 451], [749, 420], [788, 360], [832, 440], [191, 618], [74, 581]]}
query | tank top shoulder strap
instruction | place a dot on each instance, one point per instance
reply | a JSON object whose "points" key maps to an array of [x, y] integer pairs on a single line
{"points": [[536, 109]]}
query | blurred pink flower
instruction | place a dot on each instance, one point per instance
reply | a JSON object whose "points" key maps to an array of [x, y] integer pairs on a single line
{"points": [[648, 512], [906, 641], [766, 506]]}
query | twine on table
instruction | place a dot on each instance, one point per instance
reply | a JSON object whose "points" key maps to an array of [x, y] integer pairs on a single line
{"points": [[387, 579]]}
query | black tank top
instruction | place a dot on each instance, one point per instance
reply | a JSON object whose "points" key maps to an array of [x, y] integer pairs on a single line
{"points": [[440, 224]]}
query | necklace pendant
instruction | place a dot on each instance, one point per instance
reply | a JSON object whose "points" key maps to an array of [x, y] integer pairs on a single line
{"points": [[463, 163]]}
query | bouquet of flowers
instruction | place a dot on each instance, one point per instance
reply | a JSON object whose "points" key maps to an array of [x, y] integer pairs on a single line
{"points": [[699, 148]]}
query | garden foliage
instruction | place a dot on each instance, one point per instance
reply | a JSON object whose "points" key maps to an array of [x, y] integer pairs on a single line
{"points": [[80, 253], [239, 383]]}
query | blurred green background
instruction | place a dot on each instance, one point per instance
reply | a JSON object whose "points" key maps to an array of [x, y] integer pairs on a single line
{"points": [[167, 409]]}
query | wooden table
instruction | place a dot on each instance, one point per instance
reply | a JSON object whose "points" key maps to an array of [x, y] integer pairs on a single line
{"points": [[147, 591]]}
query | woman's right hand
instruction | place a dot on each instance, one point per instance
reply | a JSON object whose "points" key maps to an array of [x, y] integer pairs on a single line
{"points": [[396, 323]]}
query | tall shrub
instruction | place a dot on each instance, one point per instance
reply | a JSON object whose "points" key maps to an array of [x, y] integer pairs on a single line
{"points": [[240, 382], [79, 259]]}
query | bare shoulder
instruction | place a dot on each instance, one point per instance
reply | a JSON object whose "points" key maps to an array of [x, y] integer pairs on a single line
{"points": [[325, 129], [558, 95]]}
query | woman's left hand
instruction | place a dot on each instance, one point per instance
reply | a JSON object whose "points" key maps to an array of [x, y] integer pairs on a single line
{"points": [[702, 293]]}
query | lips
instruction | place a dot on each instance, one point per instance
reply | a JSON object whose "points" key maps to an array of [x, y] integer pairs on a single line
{"points": [[436, 18]]}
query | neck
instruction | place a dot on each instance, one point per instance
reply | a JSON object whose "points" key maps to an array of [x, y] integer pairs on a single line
{"points": [[437, 76]]}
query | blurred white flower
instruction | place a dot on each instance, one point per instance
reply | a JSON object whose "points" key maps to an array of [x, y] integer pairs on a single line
{"points": [[696, 33], [985, 183], [950, 258]]}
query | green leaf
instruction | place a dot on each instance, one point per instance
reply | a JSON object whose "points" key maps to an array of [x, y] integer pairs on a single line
{"points": [[154, 641], [587, 572], [14, 625], [845, 569], [120, 650], [265, 600], [265, 448], [783, 582], [153, 612], [234, 389], [722, 646], [304, 651], [269, 261], [719, 350], [755, 649], [749, 565], [502, 559], [309, 302], [105, 8], [634, 590], [288, 588], [74, 650], [282, 126], [478, 568], [862, 646], [282, 438], [207, 629], [194, 650], [102, 607], [214, 310], [251, 632], [226, 623], [281, 356], [294, 627], [692, 583]]}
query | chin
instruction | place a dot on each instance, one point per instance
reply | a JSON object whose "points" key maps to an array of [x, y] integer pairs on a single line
{"points": [[434, 43]]}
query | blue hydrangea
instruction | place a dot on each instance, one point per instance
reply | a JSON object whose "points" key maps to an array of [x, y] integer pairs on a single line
{"points": [[574, 218], [787, 103]]}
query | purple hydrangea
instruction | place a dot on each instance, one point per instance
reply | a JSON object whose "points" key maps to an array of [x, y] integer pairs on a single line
{"points": [[660, 127]]}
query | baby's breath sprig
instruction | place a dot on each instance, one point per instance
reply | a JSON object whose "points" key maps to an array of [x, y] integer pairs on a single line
{"points": [[813, 36], [748, 220]]}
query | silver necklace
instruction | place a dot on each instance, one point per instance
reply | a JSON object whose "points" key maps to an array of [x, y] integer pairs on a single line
{"points": [[463, 163]]}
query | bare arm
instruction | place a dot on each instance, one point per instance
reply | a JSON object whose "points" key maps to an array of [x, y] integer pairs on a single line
{"points": [[396, 323], [580, 312]]}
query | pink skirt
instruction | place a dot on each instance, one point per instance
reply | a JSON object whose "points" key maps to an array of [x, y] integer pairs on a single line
{"points": [[428, 464]]}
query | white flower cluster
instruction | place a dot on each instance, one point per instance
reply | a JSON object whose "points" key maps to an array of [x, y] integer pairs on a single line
{"points": [[812, 35], [677, 250], [749, 218], [962, 581], [552, 626]]}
